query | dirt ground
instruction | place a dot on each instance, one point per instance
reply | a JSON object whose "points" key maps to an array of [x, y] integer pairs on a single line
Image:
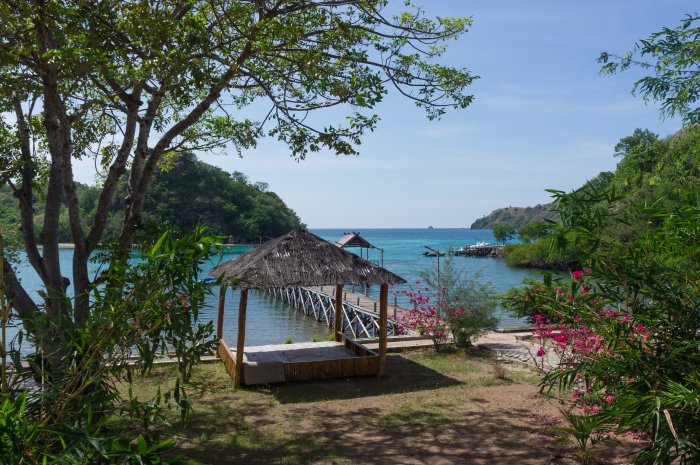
{"points": [[430, 409]]}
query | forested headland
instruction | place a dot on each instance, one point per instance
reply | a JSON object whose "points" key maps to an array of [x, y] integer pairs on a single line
{"points": [[186, 192], [652, 171], [514, 216]]}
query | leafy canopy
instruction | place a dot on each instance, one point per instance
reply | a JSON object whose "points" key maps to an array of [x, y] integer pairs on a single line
{"points": [[130, 84], [673, 58]]}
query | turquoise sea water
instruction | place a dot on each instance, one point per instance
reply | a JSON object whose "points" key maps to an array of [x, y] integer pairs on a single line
{"points": [[270, 321]]}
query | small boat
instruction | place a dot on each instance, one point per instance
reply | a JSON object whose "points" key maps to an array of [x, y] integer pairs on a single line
{"points": [[432, 253]]}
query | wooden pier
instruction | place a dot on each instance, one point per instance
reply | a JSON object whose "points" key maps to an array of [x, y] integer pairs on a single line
{"points": [[480, 251], [360, 311]]}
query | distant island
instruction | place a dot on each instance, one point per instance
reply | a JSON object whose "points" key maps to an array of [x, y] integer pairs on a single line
{"points": [[514, 216]]}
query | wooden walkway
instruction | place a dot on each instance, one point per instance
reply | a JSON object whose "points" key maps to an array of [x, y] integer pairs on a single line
{"points": [[363, 301], [360, 312]]}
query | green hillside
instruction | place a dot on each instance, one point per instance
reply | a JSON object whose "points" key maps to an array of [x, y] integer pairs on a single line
{"points": [[515, 216], [664, 173], [187, 193]]}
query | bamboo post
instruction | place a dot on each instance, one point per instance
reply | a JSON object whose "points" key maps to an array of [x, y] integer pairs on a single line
{"points": [[240, 344], [338, 318], [383, 298], [220, 319]]}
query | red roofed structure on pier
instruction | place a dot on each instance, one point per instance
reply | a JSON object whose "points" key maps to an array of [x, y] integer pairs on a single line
{"points": [[353, 239]]}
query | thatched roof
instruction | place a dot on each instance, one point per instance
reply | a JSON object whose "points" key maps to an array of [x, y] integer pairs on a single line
{"points": [[300, 258]]}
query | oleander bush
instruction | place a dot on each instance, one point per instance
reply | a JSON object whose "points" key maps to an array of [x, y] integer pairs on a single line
{"points": [[627, 329], [451, 304]]}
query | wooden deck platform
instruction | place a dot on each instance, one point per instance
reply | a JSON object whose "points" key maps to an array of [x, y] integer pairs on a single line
{"points": [[305, 361], [298, 352]]}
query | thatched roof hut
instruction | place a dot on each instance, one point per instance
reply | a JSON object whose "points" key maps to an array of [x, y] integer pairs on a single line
{"points": [[301, 258]]}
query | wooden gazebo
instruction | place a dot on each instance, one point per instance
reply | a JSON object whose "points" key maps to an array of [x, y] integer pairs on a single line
{"points": [[301, 258], [355, 240]]}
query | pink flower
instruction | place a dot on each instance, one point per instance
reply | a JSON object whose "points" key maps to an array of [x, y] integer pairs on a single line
{"points": [[584, 410], [541, 352], [609, 399], [577, 275], [589, 271]]}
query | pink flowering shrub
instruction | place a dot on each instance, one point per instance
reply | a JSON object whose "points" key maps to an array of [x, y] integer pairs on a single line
{"points": [[424, 318], [455, 307], [575, 326], [627, 332]]}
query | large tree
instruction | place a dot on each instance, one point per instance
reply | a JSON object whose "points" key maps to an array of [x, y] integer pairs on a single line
{"points": [[672, 56], [129, 82]]}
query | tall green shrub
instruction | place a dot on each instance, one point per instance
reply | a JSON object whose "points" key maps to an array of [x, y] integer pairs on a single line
{"points": [[82, 384], [640, 311], [465, 303]]}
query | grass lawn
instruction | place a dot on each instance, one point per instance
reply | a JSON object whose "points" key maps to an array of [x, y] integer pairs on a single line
{"points": [[429, 409]]}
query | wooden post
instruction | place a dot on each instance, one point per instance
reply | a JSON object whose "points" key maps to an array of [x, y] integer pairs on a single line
{"points": [[240, 345], [383, 298], [220, 319], [338, 318]]}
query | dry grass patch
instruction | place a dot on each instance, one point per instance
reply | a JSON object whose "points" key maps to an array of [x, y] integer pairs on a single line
{"points": [[429, 409]]}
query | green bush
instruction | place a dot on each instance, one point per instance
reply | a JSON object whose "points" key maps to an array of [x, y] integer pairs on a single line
{"points": [[23, 440], [465, 303], [640, 311], [82, 367], [541, 254]]}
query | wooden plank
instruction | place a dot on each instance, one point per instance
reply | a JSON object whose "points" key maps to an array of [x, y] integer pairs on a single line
{"points": [[240, 345], [224, 353], [220, 318], [338, 321], [383, 297], [306, 371]]}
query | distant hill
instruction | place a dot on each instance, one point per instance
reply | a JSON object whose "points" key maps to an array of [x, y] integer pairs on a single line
{"points": [[187, 193], [192, 192], [515, 216]]}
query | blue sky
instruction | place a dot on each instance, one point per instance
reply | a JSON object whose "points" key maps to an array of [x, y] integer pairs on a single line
{"points": [[542, 118]]}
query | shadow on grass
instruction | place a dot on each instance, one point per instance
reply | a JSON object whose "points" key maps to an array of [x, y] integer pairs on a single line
{"points": [[323, 436], [402, 375], [364, 421]]}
